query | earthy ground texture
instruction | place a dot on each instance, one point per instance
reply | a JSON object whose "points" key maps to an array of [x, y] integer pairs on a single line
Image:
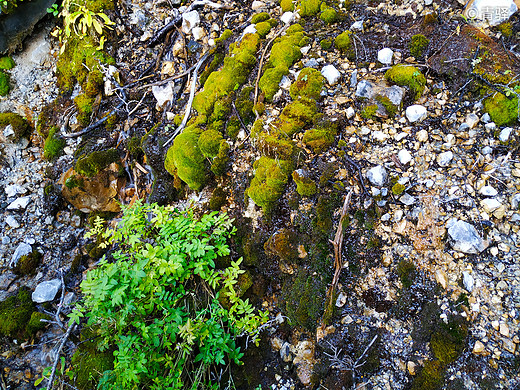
{"points": [[298, 119]]}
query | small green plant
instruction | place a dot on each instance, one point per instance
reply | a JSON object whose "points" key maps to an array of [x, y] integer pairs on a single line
{"points": [[158, 304]]}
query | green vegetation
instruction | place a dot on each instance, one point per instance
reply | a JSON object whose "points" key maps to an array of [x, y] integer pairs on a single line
{"points": [[282, 244], [418, 45], [309, 7], [263, 28], [309, 84], [209, 143], [53, 146], [20, 125], [218, 166], [328, 14], [305, 186], [296, 115], [259, 17], [157, 304], [407, 76], [368, 112], [407, 273], [321, 137], [344, 44], [18, 318], [93, 163], [267, 186], [27, 264], [506, 28], [502, 109], [326, 44], [390, 108], [287, 5], [431, 377], [7, 63], [4, 83], [398, 189]]}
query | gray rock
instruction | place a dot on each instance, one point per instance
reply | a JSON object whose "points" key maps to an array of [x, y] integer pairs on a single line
{"points": [[9, 131], [20, 203], [385, 56], [486, 118], [21, 250], [407, 199], [465, 238], [416, 113], [377, 176], [468, 281], [189, 20], [357, 26], [46, 291], [365, 89], [444, 159], [487, 150], [350, 112], [488, 191], [505, 134], [353, 79], [490, 204], [472, 120], [490, 126], [12, 222], [285, 352], [331, 74], [13, 190], [404, 156], [515, 201]]}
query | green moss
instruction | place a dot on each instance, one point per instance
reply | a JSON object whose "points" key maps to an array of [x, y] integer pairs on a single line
{"points": [[224, 36], [398, 189], [430, 19], [233, 74], [84, 104], [269, 182], [263, 28], [390, 108], [209, 143], [94, 85], [407, 273], [134, 147], [309, 7], [418, 45], [407, 76], [53, 146], [73, 182], [259, 17], [309, 84], [233, 127], [295, 116], [329, 15], [4, 83], [282, 244], [284, 53], [259, 108], [35, 323], [431, 377], [7, 63], [321, 137], [305, 186], [323, 219], [15, 314], [276, 146], [447, 343], [368, 112], [218, 166], [28, 264], [218, 199], [287, 5], [185, 159], [19, 124], [344, 44], [257, 129], [501, 109], [89, 365], [326, 44], [93, 163], [244, 104], [506, 29], [304, 297]]}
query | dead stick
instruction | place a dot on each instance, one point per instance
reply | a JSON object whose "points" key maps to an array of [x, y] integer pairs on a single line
{"points": [[55, 365]]}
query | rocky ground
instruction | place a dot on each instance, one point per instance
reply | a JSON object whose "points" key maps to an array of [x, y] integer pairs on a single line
{"points": [[429, 292]]}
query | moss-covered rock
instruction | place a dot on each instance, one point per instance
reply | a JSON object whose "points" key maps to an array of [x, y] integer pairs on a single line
{"points": [[185, 159], [27, 264], [296, 115], [91, 164], [407, 76], [309, 84], [4, 83], [503, 110], [276, 146], [270, 178], [282, 244], [287, 5], [326, 44], [35, 323], [53, 146], [218, 166], [321, 137], [15, 314], [305, 186], [263, 28], [418, 45], [209, 143], [309, 7], [369, 111], [7, 63], [260, 17], [20, 125], [344, 44], [233, 127]]}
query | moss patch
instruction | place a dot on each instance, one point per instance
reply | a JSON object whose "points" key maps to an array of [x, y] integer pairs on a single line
{"points": [[287, 5], [20, 125], [309, 7], [418, 45], [309, 84], [344, 44], [4, 83], [501, 109], [7, 63], [305, 186], [28, 264], [321, 137], [282, 244], [15, 314], [259, 17], [53, 146], [329, 15], [93, 163], [209, 143], [295, 116], [407, 76]]}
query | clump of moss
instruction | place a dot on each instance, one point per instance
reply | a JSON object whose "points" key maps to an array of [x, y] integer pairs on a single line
{"points": [[326, 44], [276, 146], [344, 44], [309, 7], [19, 124], [84, 104], [233, 74], [506, 29], [134, 147], [431, 377], [28, 264], [321, 137], [15, 314], [305, 186], [209, 143], [447, 343], [295, 116], [93, 163], [4, 83], [218, 166], [218, 199], [185, 159], [233, 127], [259, 17], [407, 76], [501, 109], [35, 323], [269, 181], [368, 112], [418, 45], [244, 104], [304, 297], [323, 219], [53, 146], [7, 63], [407, 272], [94, 84], [390, 108], [282, 244], [309, 84], [398, 189], [287, 5], [284, 53], [329, 15], [263, 28]]}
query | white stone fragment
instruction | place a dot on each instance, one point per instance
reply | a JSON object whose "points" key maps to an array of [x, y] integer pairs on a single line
{"points": [[12, 222], [189, 21], [404, 156], [490, 205], [505, 134], [443, 159], [331, 74], [46, 291], [377, 175], [257, 5], [20, 203], [488, 191], [350, 113], [385, 56], [468, 281], [287, 17], [416, 113], [472, 120], [163, 94]]}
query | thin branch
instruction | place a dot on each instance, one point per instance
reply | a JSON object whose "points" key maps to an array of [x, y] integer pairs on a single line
{"points": [[55, 365]]}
